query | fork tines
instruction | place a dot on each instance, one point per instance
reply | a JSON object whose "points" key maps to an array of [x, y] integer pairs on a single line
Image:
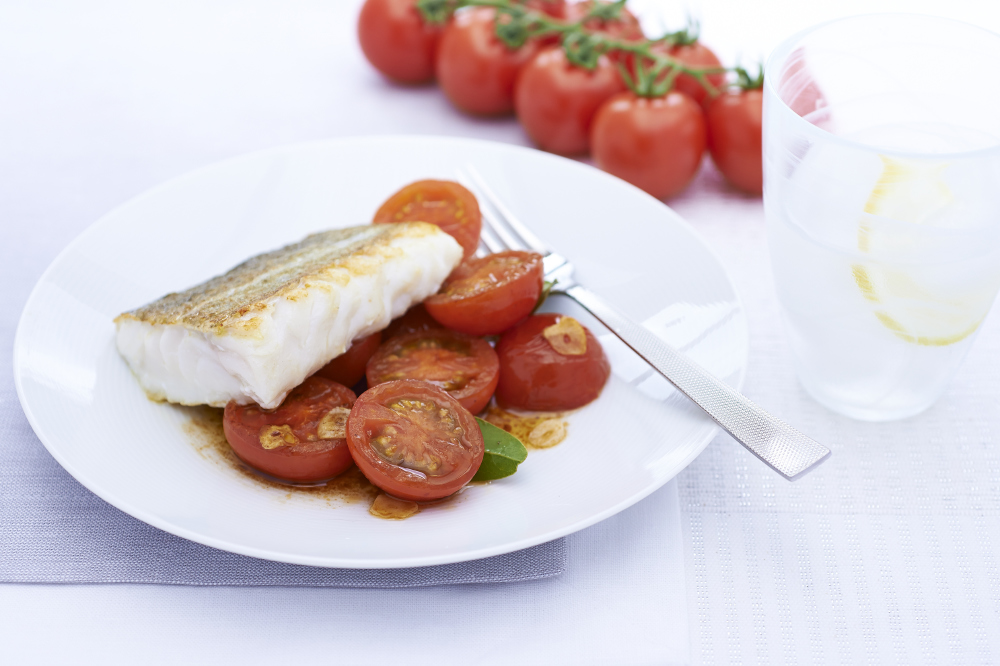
{"points": [[501, 228]]}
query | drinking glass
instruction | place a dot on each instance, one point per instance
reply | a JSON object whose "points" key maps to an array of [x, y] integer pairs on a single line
{"points": [[882, 198]]}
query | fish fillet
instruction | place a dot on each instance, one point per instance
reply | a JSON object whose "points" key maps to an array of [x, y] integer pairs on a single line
{"points": [[254, 333]]}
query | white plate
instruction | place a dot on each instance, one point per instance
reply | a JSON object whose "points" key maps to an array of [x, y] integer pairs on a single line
{"points": [[92, 416]]}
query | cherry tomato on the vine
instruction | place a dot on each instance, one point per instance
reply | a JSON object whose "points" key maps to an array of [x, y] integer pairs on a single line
{"points": [[554, 8], [397, 41], [463, 366], [700, 56], [808, 99], [413, 440], [474, 68], [556, 100], [441, 202], [655, 144], [550, 362], [302, 440], [349, 367], [488, 295], [734, 138], [626, 26]]}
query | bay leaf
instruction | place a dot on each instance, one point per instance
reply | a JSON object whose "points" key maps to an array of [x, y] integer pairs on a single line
{"points": [[503, 454]]}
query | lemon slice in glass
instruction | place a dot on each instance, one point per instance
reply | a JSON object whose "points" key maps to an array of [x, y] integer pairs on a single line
{"points": [[921, 305]]}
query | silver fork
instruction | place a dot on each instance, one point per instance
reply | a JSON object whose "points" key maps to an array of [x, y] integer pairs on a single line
{"points": [[778, 445]]}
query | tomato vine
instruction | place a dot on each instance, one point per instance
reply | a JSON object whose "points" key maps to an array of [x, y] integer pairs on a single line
{"points": [[652, 72], [747, 81]]}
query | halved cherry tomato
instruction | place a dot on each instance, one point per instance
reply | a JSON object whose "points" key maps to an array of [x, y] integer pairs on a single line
{"points": [[414, 319], [302, 440], [441, 202], [464, 366], [397, 41], [488, 295], [556, 101], [655, 144], [734, 137], [349, 367], [413, 440], [549, 364], [474, 68]]}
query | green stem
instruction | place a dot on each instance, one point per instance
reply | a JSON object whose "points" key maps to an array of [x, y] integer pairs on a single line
{"points": [[658, 90], [626, 77], [649, 64]]}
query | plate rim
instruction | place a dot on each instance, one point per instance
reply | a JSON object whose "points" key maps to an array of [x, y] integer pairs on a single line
{"points": [[327, 562]]}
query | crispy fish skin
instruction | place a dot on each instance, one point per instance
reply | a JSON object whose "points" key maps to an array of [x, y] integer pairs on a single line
{"points": [[257, 331]]}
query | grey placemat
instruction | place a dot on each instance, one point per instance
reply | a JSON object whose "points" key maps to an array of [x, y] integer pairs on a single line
{"points": [[53, 530]]}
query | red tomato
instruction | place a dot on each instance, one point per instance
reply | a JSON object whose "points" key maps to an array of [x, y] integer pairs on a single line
{"points": [[549, 363], [626, 27], [734, 138], [555, 8], [413, 440], [799, 90], [349, 367], [414, 319], [397, 41], [698, 55], [441, 202], [302, 440], [556, 101], [464, 366], [488, 295], [474, 68], [655, 144]]}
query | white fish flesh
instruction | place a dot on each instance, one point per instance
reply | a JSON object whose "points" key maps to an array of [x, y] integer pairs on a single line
{"points": [[256, 332]]}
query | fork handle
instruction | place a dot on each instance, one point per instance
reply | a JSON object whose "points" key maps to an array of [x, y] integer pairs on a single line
{"points": [[778, 445]]}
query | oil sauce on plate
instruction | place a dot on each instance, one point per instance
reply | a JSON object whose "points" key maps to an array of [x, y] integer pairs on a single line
{"points": [[536, 430], [204, 431]]}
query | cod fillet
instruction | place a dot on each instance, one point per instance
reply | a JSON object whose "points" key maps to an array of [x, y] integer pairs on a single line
{"points": [[256, 332]]}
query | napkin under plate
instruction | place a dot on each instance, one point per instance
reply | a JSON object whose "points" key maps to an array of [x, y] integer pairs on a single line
{"points": [[53, 530]]}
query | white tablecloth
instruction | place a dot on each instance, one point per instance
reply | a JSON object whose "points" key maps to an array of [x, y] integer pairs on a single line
{"points": [[884, 555]]}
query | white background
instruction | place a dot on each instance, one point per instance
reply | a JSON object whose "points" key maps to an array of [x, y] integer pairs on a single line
{"points": [[102, 100]]}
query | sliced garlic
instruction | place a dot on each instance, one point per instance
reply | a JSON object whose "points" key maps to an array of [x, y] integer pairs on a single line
{"points": [[333, 425], [391, 508], [547, 433], [273, 436], [567, 336]]}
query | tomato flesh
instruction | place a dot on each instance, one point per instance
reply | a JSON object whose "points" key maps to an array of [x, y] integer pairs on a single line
{"points": [[288, 442], [474, 68], [535, 376], [488, 295], [463, 366], [413, 440], [556, 101], [734, 138], [655, 144], [349, 367], [443, 203], [414, 319], [396, 40]]}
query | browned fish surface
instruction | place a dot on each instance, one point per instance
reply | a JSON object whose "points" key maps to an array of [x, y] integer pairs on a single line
{"points": [[256, 332], [225, 300]]}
